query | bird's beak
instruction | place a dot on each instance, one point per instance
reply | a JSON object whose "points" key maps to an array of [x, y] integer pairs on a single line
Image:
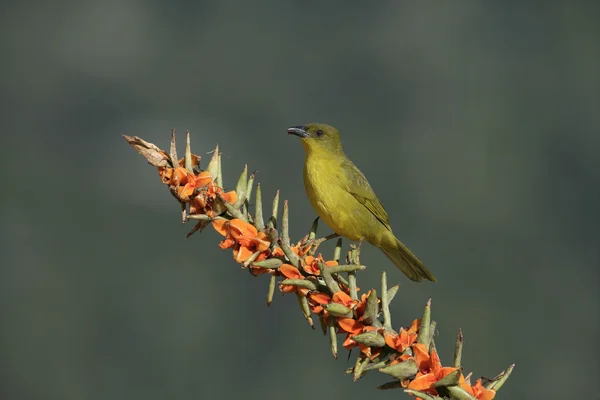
{"points": [[298, 131]]}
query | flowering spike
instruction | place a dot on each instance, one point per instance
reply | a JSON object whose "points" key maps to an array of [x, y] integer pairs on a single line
{"points": [[424, 335], [458, 393], [189, 166], [337, 253], [458, 350], [303, 302], [273, 220], [271, 290], [313, 229], [387, 319], [173, 150], [259, 223], [321, 285], [401, 370]]}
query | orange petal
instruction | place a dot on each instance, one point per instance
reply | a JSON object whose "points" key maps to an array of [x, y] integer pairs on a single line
{"points": [[242, 254], [349, 343], [230, 197], [421, 356], [414, 327], [203, 179], [165, 174], [311, 268], [320, 298], [227, 243], [290, 272], [423, 382], [277, 252], [487, 395], [342, 298], [391, 341], [221, 226], [445, 371], [436, 364], [350, 325], [184, 192], [261, 242], [241, 228]]}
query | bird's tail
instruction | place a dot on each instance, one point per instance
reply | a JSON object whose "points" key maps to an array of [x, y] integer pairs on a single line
{"points": [[405, 260]]}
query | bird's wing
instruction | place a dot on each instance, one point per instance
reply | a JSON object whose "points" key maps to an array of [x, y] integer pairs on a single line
{"points": [[359, 187]]}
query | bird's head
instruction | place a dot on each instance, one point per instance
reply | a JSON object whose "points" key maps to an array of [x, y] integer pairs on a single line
{"points": [[318, 138]]}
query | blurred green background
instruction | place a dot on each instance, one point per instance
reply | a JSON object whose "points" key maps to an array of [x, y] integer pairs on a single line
{"points": [[476, 123]]}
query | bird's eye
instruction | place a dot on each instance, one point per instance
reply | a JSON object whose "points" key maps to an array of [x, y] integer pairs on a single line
{"points": [[319, 133]]}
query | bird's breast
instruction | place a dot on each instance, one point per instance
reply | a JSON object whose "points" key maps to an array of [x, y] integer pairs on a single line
{"points": [[326, 186]]}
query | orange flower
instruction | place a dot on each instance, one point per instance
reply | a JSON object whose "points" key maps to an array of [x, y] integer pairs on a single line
{"points": [[311, 264], [317, 300], [291, 272], [242, 236], [405, 338], [354, 327], [430, 371], [350, 325], [246, 235], [344, 299], [362, 305]]}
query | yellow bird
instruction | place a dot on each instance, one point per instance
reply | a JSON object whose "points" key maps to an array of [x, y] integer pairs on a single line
{"points": [[342, 197]]}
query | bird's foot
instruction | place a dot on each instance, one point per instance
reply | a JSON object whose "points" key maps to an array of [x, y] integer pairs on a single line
{"points": [[356, 258], [313, 244]]}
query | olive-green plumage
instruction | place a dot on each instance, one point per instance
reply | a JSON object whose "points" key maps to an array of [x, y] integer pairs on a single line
{"points": [[342, 197]]}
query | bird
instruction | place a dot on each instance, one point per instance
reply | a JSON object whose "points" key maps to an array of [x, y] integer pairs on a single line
{"points": [[343, 198]]}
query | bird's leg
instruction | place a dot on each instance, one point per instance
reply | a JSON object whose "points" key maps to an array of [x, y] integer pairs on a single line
{"points": [[357, 247], [315, 243]]}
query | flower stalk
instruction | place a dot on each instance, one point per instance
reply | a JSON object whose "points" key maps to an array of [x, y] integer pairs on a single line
{"points": [[324, 288]]}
